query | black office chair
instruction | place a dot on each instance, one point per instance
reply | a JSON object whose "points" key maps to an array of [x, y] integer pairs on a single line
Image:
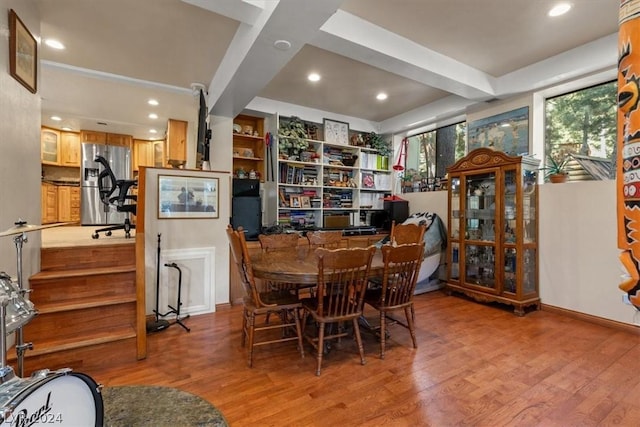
{"points": [[123, 201]]}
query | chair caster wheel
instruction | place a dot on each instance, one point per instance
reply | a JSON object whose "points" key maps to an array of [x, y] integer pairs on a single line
{"points": [[108, 233], [95, 236], [127, 235]]}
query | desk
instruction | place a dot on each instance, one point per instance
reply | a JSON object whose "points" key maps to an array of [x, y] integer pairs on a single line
{"points": [[297, 265]]}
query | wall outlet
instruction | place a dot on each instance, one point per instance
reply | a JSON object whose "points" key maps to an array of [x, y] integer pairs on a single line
{"points": [[625, 299]]}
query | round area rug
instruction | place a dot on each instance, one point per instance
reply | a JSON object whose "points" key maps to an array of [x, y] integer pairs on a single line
{"points": [[141, 406]]}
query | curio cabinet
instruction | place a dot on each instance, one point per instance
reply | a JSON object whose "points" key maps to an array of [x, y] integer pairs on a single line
{"points": [[492, 254]]}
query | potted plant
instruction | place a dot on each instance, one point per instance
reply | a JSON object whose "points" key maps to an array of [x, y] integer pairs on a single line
{"points": [[377, 142], [293, 135], [556, 169]]}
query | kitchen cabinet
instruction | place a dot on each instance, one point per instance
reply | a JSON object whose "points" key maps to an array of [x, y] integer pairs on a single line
{"points": [[70, 149], [176, 145], [49, 146], [492, 255], [93, 137], [68, 203], [143, 153], [329, 185], [49, 202], [248, 146], [120, 140]]}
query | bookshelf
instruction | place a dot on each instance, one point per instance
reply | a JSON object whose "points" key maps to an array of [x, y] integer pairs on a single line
{"points": [[330, 185]]}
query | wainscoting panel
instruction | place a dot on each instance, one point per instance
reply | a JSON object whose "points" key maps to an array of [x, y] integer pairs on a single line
{"points": [[198, 280]]}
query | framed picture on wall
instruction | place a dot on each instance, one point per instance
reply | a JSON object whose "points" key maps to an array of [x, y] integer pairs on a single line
{"points": [[336, 132], [23, 53], [187, 197], [507, 132]]}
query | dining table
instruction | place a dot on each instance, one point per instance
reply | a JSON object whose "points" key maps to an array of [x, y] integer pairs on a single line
{"points": [[297, 265]]}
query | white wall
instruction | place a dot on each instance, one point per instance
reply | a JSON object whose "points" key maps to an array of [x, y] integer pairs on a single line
{"points": [[185, 235], [578, 255], [20, 148]]}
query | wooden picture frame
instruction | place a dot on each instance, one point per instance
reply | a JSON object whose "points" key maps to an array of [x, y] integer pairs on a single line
{"points": [[187, 197], [336, 132], [23, 53], [294, 201], [305, 202]]}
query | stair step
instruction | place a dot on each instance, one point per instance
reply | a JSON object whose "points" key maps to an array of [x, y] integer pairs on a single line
{"points": [[83, 257], [42, 347], [47, 308], [91, 321], [81, 272], [58, 288]]}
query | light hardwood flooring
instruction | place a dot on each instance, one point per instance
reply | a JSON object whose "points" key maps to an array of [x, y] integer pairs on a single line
{"points": [[70, 235], [476, 365]]}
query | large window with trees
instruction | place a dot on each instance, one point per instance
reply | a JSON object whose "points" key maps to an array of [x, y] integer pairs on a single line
{"points": [[428, 155], [581, 130]]}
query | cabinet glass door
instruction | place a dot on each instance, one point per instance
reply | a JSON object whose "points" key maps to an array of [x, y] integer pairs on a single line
{"points": [[479, 228]]}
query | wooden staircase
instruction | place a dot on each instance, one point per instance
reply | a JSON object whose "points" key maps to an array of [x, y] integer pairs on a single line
{"points": [[86, 298]]}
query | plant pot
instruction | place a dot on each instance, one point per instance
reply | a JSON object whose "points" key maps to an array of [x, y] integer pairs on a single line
{"points": [[558, 178]]}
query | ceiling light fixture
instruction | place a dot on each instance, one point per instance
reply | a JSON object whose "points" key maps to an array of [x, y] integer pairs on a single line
{"points": [[152, 102], [66, 128], [313, 77], [153, 131], [56, 118], [381, 96], [153, 116], [282, 44], [55, 44], [559, 9]]}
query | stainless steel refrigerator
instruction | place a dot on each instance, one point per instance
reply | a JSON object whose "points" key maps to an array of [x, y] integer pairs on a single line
{"points": [[92, 210]]}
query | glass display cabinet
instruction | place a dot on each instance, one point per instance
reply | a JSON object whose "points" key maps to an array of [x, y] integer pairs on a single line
{"points": [[492, 254]]}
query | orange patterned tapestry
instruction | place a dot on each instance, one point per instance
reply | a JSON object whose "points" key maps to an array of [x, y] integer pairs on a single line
{"points": [[628, 160]]}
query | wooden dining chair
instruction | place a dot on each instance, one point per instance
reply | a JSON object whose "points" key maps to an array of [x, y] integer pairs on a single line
{"points": [[258, 302], [270, 242], [342, 281], [399, 277], [325, 239], [402, 234]]}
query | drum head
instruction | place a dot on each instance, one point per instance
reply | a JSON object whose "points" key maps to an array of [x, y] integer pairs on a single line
{"points": [[61, 398]]}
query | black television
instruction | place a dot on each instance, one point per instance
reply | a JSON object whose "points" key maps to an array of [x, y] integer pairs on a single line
{"points": [[204, 134]]}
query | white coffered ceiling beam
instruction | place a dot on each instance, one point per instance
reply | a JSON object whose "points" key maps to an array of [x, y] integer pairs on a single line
{"points": [[355, 38], [251, 60]]}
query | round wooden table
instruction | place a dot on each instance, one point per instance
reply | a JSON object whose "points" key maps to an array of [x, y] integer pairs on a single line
{"points": [[297, 265]]}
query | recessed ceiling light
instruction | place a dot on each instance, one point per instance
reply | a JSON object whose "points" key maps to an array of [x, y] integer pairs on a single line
{"points": [[153, 116], [152, 102], [559, 9], [381, 96], [153, 131], [55, 118], [313, 77], [67, 128], [282, 44], [54, 44]]}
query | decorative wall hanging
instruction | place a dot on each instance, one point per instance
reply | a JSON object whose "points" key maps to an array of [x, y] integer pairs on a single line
{"points": [[507, 132], [23, 53]]}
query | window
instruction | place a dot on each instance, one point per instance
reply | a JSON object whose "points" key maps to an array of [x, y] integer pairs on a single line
{"points": [[581, 127], [430, 153]]}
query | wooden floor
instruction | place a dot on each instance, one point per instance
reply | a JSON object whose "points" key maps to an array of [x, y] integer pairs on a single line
{"points": [[476, 365]]}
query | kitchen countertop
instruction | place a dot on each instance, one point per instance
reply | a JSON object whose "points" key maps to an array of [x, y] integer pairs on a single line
{"points": [[75, 183]]}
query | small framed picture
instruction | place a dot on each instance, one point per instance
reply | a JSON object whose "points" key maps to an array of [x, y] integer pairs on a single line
{"points": [[23, 53], [305, 202], [294, 201], [336, 132]]}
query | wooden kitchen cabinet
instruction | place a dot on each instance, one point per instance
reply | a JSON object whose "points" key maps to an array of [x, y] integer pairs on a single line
{"points": [[50, 146], [143, 153], [120, 140], [176, 146], [70, 149], [68, 204], [93, 137], [49, 201]]}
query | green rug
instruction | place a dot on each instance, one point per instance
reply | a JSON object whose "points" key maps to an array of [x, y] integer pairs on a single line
{"points": [[141, 406]]}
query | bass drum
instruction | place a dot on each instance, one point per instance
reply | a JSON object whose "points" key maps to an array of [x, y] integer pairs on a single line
{"points": [[51, 398]]}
